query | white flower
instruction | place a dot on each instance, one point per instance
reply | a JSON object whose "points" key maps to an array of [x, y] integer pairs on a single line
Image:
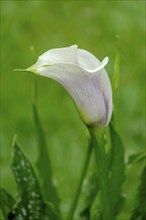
{"points": [[85, 79]]}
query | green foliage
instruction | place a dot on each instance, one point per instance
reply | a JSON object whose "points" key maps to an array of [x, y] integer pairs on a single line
{"points": [[74, 203], [117, 170], [139, 212], [136, 158], [101, 158], [111, 176], [90, 193], [6, 202], [30, 205], [30, 202], [21, 43], [44, 164]]}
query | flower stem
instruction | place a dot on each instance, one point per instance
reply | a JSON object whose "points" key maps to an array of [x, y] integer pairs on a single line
{"points": [[101, 162], [79, 187]]}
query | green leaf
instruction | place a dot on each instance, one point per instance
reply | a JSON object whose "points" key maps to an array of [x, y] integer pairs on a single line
{"points": [[139, 212], [6, 202], [117, 169], [96, 209], [135, 158], [49, 211], [30, 205], [44, 165], [90, 191]]}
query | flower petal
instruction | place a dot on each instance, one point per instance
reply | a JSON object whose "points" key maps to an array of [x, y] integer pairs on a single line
{"points": [[102, 65], [85, 79], [90, 92], [87, 60], [107, 94], [66, 55]]}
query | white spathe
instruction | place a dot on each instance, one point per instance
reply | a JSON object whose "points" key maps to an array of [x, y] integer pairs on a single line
{"points": [[85, 79]]}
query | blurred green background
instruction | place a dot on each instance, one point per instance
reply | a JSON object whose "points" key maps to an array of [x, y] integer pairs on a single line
{"points": [[28, 29]]}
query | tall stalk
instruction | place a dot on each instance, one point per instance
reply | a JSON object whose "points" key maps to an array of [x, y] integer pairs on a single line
{"points": [[101, 161], [79, 187]]}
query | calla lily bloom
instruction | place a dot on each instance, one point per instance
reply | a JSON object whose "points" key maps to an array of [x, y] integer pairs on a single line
{"points": [[85, 79]]}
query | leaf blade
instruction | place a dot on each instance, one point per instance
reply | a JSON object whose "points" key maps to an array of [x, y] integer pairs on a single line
{"points": [[6, 202], [30, 205], [49, 190], [28, 187], [90, 194], [139, 212], [116, 170], [136, 158]]}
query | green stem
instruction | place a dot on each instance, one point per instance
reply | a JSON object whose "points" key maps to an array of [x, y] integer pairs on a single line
{"points": [[79, 187], [102, 172]]}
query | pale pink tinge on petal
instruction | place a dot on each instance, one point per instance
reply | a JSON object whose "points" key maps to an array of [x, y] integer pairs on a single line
{"points": [[92, 94], [85, 79]]}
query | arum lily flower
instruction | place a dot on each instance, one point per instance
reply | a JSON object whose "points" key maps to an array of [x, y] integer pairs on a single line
{"points": [[85, 79]]}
